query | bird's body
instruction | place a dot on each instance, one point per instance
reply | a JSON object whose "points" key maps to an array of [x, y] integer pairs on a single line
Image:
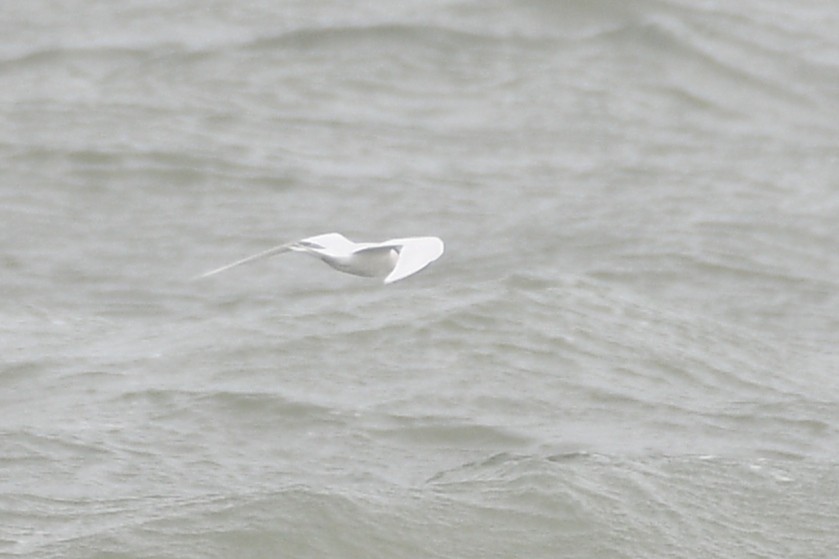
{"points": [[392, 260], [370, 263]]}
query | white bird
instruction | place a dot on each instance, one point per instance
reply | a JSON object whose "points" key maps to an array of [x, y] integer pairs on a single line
{"points": [[392, 260]]}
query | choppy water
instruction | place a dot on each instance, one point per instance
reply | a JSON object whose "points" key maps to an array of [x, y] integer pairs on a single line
{"points": [[628, 349]]}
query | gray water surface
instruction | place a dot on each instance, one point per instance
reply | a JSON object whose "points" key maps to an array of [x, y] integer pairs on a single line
{"points": [[627, 350]]}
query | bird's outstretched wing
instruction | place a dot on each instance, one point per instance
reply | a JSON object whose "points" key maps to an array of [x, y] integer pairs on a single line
{"points": [[414, 255], [279, 249]]}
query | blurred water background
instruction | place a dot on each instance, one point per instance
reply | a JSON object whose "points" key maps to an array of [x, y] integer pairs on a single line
{"points": [[629, 348]]}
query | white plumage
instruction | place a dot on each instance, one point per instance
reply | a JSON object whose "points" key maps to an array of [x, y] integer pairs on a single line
{"points": [[392, 260]]}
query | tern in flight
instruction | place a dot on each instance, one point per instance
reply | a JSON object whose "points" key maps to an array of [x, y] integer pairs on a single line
{"points": [[392, 260]]}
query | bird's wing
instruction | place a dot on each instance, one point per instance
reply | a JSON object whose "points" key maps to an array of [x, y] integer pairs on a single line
{"points": [[414, 255], [331, 243], [264, 254]]}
